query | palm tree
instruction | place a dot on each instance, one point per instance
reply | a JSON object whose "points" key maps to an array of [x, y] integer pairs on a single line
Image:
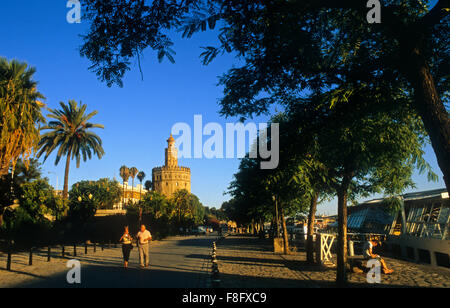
{"points": [[20, 113], [148, 185], [141, 176], [133, 172], [70, 132], [20, 117], [125, 175]]}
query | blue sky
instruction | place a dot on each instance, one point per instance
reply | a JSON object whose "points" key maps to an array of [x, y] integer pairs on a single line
{"points": [[138, 117]]}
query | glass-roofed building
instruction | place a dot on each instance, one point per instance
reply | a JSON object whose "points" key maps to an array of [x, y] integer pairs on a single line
{"points": [[418, 231], [369, 217]]}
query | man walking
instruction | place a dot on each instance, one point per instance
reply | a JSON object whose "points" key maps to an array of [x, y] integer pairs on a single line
{"points": [[144, 236]]}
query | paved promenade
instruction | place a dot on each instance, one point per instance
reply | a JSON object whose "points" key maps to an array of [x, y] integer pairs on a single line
{"points": [[180, 262], [183, 262], [249, 262]]}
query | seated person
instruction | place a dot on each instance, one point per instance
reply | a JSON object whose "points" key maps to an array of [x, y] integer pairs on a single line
{"points": [[368, 254]]}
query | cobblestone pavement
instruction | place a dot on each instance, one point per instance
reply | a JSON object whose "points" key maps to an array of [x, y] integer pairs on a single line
{"points": [[248, 262], [180, 262]]}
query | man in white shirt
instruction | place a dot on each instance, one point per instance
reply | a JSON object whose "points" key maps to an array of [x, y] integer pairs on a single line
{"points": [[368, 254], [144, 236]]}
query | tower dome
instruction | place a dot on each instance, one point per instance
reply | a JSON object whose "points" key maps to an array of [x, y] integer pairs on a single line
{"points": [[170, 140]]}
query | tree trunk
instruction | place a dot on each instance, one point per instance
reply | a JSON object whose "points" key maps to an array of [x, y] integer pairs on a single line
{"points": [[311, 220], [66, 177], [277, 219], [261, 229], [285, 233], [123, 194], [272, 228], [341, 275], [431, 109], [3, 173], [132, 188]]}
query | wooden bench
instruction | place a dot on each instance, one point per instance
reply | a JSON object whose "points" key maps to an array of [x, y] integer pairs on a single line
{"points": [[357, 264]]}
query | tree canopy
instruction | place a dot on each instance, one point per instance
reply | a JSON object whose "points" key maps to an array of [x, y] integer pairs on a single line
{"points": [[292, 49]]}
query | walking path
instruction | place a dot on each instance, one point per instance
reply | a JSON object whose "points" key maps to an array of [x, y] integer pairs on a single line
{"points": [[183, 262], [174, 262], [248, 262]]}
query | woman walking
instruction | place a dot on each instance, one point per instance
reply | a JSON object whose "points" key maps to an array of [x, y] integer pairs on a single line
{"points": [[127, 246]]}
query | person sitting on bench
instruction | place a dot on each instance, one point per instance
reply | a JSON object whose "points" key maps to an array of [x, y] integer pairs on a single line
{"points": [[368, 254]]}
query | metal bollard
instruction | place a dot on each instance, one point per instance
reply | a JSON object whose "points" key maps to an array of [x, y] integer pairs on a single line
{"points": [[95, 247], [85, 248], [49, 254], [8, 260], [30, 259], [215, 277], [63, 252], [74, 250]]}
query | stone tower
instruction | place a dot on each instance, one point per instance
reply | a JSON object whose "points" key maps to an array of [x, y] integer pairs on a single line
{"points": [[171, 153], [171, 177]]}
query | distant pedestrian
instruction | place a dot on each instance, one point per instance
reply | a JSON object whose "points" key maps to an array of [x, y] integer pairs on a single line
{"points": [[127, 246], [144, 237], [305, 230]]}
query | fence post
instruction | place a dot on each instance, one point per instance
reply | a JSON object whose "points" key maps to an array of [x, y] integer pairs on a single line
{"points": [[30, 259], [95, 247], [85, 248], [63, 251], [75, 249], [351, 248], [319, 260], [49, 254]]}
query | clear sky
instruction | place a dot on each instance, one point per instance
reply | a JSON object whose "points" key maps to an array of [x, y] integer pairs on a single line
{"points": [[138, 117]]}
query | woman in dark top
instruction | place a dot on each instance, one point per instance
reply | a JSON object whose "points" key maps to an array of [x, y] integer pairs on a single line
{"points": [[127, 246]]}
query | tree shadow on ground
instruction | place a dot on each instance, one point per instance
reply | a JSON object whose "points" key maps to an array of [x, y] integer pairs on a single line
{"points": [[118, 277], [238, 281], [291, 264], [198, 242], [238, 242]]}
